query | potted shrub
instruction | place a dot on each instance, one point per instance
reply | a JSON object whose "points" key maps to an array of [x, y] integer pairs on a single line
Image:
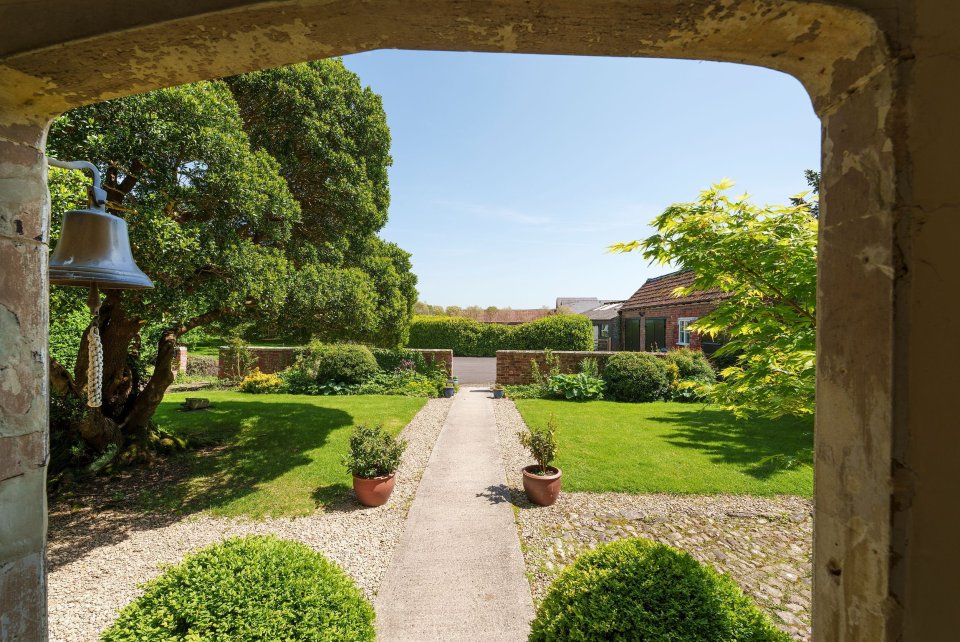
{"points": [[449, 389], [373, 460], [541, 481], [497, 391]]}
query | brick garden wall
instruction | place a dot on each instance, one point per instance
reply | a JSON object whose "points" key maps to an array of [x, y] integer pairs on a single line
{"points": [[513, 366], [441, 357], [279, 358]]}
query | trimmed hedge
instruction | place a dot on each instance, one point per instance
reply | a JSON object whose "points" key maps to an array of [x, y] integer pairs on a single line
{"points": [[251, 588], [636, 376], [637, 590], [556, 332], [471, 338]]}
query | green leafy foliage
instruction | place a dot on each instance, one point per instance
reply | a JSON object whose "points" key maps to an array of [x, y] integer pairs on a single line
{"points": [[635, 589], [373, 452], [262, 383], [576, 387], [556, 332], [470, 338], [253, 203], [466, 337], [542, 443], [238, 360], [525, 391], [245, 589], [690, 372], [636, 376], [765, 260], [392, 359], [343, 363]]}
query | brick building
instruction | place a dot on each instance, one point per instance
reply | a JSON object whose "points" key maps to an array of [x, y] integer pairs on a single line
{"points": [[654, 319]]}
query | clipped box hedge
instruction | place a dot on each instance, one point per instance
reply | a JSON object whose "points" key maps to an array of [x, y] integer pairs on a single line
{"points": [[635, 589], [471, 338], [246, 589]]}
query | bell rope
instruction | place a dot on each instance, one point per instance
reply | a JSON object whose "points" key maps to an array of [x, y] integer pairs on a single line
{"points": [[94, 351]]}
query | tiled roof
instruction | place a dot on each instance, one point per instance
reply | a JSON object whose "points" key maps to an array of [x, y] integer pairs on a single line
{"points": [[659, 291]]}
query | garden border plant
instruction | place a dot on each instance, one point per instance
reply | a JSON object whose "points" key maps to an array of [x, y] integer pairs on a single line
{"points": [[639, 590], [245, 589]]}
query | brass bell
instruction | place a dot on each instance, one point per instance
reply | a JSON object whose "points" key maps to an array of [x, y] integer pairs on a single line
{"points": [[94, 246]]}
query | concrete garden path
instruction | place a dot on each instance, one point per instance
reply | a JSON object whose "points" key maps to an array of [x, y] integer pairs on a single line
{"points": [[458, 573]]}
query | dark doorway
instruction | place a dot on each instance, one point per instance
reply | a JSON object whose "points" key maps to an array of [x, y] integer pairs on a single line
{"points": [[655, 334], [631, 334]]}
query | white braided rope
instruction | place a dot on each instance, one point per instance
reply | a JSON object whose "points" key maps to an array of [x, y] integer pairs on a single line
{"points": [[94, 367]]}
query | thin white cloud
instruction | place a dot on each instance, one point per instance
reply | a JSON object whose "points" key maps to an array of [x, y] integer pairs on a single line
{"points": [[501, 213]]}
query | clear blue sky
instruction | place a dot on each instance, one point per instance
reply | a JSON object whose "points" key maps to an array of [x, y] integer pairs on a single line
{"points": [[513, 173]]}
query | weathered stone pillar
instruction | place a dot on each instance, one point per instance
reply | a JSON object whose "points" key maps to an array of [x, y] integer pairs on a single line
{"points": [[24, 208]]}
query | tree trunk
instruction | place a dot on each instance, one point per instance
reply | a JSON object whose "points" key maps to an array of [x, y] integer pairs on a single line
{"points": [[137, 421]]}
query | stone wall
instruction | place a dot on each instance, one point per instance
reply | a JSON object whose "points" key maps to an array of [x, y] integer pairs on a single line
{"points": [[275, 359], [513, 366]]}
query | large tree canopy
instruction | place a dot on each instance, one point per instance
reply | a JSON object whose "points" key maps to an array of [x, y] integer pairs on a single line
{"points": [[229, 232], [765, 259]]}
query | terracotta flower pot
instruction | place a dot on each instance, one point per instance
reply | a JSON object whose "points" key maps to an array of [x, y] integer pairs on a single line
{"points": [[374, 491], [541, 489]]}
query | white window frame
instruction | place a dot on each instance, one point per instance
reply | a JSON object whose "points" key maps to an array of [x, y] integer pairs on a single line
{"points": [[683, 325]]}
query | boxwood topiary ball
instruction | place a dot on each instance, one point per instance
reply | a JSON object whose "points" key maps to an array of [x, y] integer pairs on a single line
{"points": [[250, 588], [637, 590]]}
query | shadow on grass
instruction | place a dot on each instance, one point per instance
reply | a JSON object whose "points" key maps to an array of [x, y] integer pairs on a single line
{"points": [[236, 446], [759, 447], [244, 444]]}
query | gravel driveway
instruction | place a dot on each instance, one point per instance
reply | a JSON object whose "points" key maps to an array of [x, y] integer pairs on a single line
{"points": [[763, 543], [100, 549]]}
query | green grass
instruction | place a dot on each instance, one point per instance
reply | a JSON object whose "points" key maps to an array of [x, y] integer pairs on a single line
{"points": [[268, 455], [668, 447], [211, 348]]}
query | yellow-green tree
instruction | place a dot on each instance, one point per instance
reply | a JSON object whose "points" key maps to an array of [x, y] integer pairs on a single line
{"points": [[765, 259]]}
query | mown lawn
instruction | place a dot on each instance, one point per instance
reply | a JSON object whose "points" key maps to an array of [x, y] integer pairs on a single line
{"points": [[668, 447], [211, 348], [268, 455]]}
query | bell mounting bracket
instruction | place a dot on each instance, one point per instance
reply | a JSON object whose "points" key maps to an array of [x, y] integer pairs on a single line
{"points": [[96, 194]]}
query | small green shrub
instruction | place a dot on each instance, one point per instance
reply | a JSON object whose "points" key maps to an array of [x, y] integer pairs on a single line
{"points": [[526, 391], [589, 367], [343, 363], [636, 376], [261, 383], [689, 371], [576, 387], [246, 589], [373, 452], [637, 590], [542, 443], [238, 360], [202, 365], [408, 383], [693, 365], [393, 359]]}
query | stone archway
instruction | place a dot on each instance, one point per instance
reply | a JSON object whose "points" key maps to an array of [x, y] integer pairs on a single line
{"points": [[873, 68]]}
